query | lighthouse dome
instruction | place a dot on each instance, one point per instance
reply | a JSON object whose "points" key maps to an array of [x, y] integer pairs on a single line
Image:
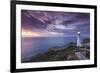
{"points": [[78, 32]]}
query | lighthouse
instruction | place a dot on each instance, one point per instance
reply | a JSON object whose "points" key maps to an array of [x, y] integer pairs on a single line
{"points": [[78, 39], [81, 55]]}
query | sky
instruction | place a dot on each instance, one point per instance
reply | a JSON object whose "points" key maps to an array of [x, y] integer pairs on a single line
{"points": [[37, 23]]}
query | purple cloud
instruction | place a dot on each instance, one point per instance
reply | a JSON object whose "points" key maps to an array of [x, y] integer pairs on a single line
{"points": [[58, 22]]}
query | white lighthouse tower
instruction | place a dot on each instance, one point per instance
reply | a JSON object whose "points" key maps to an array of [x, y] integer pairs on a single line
{"points": [[78, 52], [78, 40]]}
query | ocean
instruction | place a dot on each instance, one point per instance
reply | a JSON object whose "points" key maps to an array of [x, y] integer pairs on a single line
{"points": [[32, 46]]}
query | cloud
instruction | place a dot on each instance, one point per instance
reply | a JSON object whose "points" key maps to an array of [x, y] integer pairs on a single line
{"points": [[52, 27], [54, 23], [62, 27]]}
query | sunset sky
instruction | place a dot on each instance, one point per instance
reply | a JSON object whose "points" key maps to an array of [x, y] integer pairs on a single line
{"points": [[54, 24]]}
